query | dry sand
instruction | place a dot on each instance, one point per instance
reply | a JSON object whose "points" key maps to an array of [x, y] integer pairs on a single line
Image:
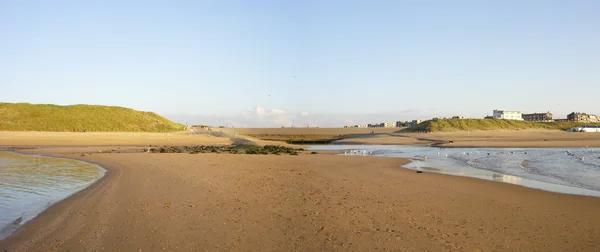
{"points": [[224, 202], [308, 131], [384, 139], [519, 138], [16, 138], [307, 134]]}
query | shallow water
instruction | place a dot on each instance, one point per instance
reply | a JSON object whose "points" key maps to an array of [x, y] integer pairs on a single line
{"points": [[29, 184], [572, 171]]}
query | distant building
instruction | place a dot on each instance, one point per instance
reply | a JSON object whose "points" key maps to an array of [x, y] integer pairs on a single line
{"points": [[400, 124], [458, 117], [538, 117], [508, 115], [582, 117], [413, 123], [376, 125]]}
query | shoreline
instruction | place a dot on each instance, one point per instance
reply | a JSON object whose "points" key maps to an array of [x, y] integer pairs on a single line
{"points": [[106, 173], [415, 164], [61, 214]]}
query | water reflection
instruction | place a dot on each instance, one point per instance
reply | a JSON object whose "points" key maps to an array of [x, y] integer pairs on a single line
{"points": [[29, 184], [507, 179]]}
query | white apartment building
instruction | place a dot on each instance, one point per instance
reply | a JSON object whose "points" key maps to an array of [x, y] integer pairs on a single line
{"points": [[508, 115]]}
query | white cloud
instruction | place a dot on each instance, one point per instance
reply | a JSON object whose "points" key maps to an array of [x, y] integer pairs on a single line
{"points": [[278, 111], [273, 117], [260, 112], [304, 114]]}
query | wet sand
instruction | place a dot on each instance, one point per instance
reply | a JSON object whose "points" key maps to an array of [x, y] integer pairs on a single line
{"points": [[225, 202], [508, 139], [383, 140]]}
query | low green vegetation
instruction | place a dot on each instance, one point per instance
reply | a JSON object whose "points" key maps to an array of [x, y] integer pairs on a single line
{"points": [[438, 125], [239, 149], [78, 118]]}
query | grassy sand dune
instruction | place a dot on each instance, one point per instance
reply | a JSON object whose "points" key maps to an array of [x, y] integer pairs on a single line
{"points": [[77, 118], [446, 125]]}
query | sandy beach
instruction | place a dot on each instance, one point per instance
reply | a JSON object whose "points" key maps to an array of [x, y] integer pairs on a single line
{"points": [[308, 126], [226, 202], [517, 139]]}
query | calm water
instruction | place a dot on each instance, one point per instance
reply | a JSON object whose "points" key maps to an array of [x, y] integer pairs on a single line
{"points": [[29, 184], [551, 169]]}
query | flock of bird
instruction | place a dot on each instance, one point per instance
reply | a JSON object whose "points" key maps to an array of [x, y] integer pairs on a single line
{"points": [[357, 152], [578, 158], [364, 153]]}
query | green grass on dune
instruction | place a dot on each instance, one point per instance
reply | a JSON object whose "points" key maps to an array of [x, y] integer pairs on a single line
{"points": [[442, 125], [47, 117]]}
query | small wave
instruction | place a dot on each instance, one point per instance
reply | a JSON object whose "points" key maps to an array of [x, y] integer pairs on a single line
{"points": [[588, 164], [473, 163], [524, 166], [527, 169]]}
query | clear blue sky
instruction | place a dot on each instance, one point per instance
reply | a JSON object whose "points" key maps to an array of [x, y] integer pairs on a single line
{"points": [[217, 62]]}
